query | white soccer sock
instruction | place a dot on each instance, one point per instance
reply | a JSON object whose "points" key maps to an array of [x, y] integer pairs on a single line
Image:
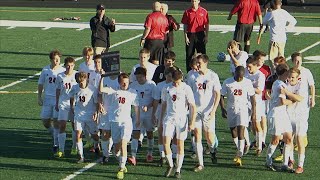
{"points": [[134, 147], [235, 140], [104, 147], [216, 142], [150, 146], [264, 136], [286, 154], [241, 147], [74, 139], [62, 141], [271, 149], [55, 136], [110, 145], [246, 136], [180, 158], [291, 154], [161, 150], [80, 148], [174, 150], [199, 151], [169, 159], [301, 160], [193, 143], [142, 133], [259, 139], [123, 161]]}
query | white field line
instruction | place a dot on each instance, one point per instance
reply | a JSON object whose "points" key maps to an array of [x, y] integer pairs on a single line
{"points": [[71, 176], [77, 59], [135, 26], [305, 49]]}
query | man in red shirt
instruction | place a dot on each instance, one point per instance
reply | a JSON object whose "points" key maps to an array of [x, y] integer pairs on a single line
{"points": [[156, 27], [196, 27], [247, 11]]}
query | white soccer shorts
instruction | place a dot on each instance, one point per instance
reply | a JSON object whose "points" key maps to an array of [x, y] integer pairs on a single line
{"points": [[104, 123], [178, 126], [48, 110], [204, 122], [90, 125], [121, 131]]}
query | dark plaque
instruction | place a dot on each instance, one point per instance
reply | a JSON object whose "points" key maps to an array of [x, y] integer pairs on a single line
{"points": [[111, 63]]}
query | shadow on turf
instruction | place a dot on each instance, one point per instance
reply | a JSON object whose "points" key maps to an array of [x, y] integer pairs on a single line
{"points": [[35, 53]]}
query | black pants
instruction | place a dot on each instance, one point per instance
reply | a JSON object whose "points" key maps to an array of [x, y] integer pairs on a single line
{"points": [[156, 48], [196, 43]]}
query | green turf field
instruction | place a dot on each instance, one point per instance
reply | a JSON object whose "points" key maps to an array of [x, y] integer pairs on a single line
{"points": [[25, 151]]}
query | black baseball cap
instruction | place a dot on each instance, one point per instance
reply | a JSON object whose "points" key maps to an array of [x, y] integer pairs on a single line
{"points": [[100, 7]]}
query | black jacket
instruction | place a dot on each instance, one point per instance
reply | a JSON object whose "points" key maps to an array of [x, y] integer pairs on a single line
{"points": [[173, 25], [100, 31]]}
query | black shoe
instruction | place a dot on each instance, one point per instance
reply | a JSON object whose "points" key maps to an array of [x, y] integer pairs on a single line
{"points": [[271, 168], [214, 158], [263, 145], [104, 160], [177, 175], [285, 168], [253, 145], [162, 161], [169, 172], [55, 149]]}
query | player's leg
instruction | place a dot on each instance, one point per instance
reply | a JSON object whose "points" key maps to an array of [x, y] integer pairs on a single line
{"points": [[134, 147], [150, 146], [62, 137], [248, 30], [190, 50], [199, 147], [93, 130], [125, 135], [105, 141], [301, 154], [259, 136], [78, 126], [287, 137], [174, 148], [181, 133], [168, 132], [162, 160], [209, 132], [147, 123], [271, 148]]}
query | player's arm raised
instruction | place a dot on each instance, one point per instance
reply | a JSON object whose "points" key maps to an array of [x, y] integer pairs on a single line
{"points": [[104, 89]]}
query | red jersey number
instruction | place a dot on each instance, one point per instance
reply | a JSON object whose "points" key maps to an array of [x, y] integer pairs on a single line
{"points": [[142, 94], [202, 86], [237, 92], [174, 97], [82, 98], [67, 85], [122, 100], [52, 80]]}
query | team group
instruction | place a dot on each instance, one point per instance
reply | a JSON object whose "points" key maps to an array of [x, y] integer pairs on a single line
{"points": [[111, 111]]}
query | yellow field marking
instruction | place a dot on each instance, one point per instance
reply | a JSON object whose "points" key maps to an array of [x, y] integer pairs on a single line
{"points": [[127, 13]]}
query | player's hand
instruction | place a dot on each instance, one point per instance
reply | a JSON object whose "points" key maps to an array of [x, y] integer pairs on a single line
{"points": [[40, 101], [229, 50], [113, 21], [191, 127], [142, 41], [144, 108], [283, 90], [312, 102], [224, 112], [56, 107], [95, 116], [205, 40], [212, 115], [187, 41]]}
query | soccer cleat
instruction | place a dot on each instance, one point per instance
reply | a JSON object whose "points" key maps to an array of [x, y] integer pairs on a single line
{"points": [[235, 158], [238, 162], [207, 150], [81, 160], [286, 168], [258, 152], [105, 160], [214, 158], [263, 145], [74, 151], [290, 164], [177, 175], [132, 161], [279, 158], [253, 145], [198, 168], [55, 149], [169, 172], [299, 170], [271, 167], [246, 149], [193, 155], [296, 147], [120, 174], [59, 154], [149, 158], [162, 161]]}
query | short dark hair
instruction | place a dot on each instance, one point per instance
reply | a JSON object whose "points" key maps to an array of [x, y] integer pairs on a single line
{"points": [[98, 56], [281, 69], [169, 70], [69, 60], [140, 70], [204, 57], [54, 53], [170, 55], [258, 53], [280, 60], [252, 60], [295, 54], [122, 76], [177, 74], [240, 69]]}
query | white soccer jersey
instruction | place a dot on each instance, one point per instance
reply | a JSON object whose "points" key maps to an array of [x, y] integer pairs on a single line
{"points": [[307, 80], [275, 108], [258, 81], [203, 87], [48, 79], [120, 109], [157, 95], [145, 91], [242, 58], [85, 102], [106, 98], [177, 99], [277, 20], [94, 78], [83, 67], [237, 93], [151, 68], [65, 83], [298, 107]]}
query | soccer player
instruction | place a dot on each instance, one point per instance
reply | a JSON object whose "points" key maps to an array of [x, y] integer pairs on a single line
{"points": [[104, 123], [278, 119], [260, 56], [120, 116], [65, 81], [84, 103], [95, 75], [175, 100], [145, 89], [206, 87], [237, 57], [47, 84], [257, 79], [278, 20], [195, 22], [247, 11], [157, 96], [238, 89], [144, 56], [169, 59], [88, 65]]}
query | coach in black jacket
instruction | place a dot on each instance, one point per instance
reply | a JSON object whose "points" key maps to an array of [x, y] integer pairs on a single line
{"points": [[100, 26], [173, 25]]}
